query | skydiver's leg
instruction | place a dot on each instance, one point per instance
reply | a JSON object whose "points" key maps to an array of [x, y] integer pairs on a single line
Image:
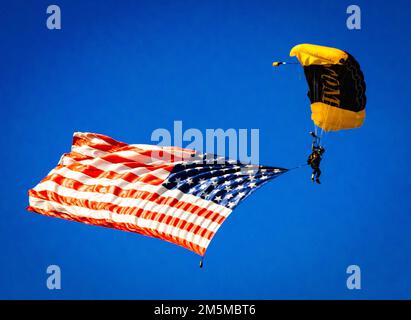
{"points": [[314, 174], [317, 179]]}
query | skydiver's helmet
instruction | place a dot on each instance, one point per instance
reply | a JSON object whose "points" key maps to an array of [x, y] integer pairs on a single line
{"points": [[321, 150]]}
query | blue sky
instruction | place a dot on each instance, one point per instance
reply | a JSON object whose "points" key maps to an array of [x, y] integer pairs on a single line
{"points": [[126, 69]]}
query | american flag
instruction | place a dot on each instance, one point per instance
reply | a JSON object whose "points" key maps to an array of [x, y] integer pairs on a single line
{"points": [[171, 193]]}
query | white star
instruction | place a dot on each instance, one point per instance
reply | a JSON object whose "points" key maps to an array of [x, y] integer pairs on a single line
{"points": [[218, 198], [264, 177], [241, 194], [227, 189], [240, 187], [238, 173], [215, 183], [229, 196], [239, 179], [251, 178], [252, 185], [231, 204], [177, 180], [190, 181]]}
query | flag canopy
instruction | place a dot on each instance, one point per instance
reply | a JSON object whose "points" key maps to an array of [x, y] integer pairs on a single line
{"points": [[170, 193]]}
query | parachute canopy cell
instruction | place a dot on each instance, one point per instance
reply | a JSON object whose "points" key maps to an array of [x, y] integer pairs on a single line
{"points": [[336, 86]]}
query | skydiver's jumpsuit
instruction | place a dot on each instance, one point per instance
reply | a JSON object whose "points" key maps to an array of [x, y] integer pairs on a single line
{"points": [[314, 161]]}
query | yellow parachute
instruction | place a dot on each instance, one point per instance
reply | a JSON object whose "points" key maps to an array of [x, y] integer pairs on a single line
{"points": [[336, 86]]}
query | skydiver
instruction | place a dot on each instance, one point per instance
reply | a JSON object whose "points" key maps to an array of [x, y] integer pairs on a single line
{"points": [[314, 161]]}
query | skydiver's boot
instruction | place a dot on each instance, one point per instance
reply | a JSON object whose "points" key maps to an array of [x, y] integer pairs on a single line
{"points": [[312, 177], [318, 181]]}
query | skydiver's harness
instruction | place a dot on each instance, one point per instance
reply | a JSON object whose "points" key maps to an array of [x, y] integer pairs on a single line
{"points": [[314, 159]]}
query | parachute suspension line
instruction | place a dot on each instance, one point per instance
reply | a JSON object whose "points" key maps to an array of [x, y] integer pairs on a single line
{"points": [[317, 139], [319, 135], [323, 137], [325, 121]]}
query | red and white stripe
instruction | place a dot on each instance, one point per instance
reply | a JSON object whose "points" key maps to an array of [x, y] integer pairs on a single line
{"points": [[113, 184]]}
